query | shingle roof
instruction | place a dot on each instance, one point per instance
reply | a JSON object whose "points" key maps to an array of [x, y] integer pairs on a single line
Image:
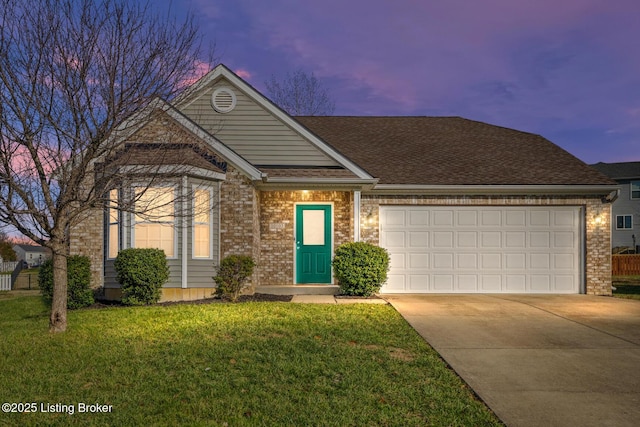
{"points": [[450, 151], [626, 170]]}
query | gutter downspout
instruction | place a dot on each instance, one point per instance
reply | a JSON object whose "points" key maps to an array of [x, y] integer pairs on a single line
{"points": [[356, 216]]}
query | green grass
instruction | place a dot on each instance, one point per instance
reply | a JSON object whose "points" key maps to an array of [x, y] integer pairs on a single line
{"points": [[257, 364], [627, 287]]}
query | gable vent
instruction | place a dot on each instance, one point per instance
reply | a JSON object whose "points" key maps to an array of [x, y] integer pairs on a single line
{"points": [[223, 100]]}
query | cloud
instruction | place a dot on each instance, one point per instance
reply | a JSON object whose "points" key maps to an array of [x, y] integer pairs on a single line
{"points": [[242, 73]]}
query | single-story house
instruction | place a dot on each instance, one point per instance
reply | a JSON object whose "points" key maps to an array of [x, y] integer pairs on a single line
{"points": [[625, 224], [461, 206], [32, 254]]}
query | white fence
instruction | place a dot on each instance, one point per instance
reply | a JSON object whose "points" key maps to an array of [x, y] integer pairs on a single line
{"points": [[5, 282], [8, 266]]}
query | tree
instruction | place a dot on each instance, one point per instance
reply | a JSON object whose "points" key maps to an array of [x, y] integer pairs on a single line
{"points": [[71, 73], [300, 94], [6, 248]]}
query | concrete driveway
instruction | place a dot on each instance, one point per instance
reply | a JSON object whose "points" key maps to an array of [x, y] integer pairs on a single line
{"points": [[538, 360]]}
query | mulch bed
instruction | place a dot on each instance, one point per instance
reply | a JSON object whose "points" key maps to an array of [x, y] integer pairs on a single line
{"points": [[243, 298]]}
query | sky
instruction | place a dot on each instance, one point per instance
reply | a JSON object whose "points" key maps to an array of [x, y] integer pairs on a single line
{"points": [[568, 70]]}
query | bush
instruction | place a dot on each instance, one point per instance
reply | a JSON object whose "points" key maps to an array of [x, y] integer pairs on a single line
{"points": [[141, 273], [232, 274], [361, 268], [79, 292]]}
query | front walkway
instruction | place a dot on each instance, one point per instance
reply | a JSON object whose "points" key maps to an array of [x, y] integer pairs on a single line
{"points": [[538, 360]]}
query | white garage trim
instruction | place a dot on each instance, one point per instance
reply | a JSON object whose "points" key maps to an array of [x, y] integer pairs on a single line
{"points": [[483, 249]]}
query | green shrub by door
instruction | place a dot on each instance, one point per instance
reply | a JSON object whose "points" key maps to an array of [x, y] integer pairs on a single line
{"points": [[361, 268]]}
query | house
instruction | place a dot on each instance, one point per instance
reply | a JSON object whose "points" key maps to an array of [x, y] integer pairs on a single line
{"points": [[32, 254], [625, 224], [462, 206]]}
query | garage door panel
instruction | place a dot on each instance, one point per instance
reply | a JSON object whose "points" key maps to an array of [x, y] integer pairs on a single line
{"points": [[482, 249]]}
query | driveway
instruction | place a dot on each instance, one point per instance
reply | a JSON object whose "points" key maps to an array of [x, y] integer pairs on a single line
{"points": [[538, 360]]}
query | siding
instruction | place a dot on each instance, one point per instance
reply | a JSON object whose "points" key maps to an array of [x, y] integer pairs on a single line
{"points": [[254, 133], [625, 206]]}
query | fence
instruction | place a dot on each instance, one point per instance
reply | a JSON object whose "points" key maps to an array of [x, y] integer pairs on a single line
{"points": [[625, 265], [8, 266], [5, 282]]}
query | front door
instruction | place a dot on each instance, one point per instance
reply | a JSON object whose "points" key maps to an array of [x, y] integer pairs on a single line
{"points": [[313, 243]]}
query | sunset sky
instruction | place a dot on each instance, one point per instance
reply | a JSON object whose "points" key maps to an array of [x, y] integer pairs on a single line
{"points": [[566, 69]]}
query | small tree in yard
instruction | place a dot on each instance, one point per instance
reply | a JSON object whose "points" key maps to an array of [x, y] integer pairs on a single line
{"points": [[361, 268], [232, 274], [71, 73]]}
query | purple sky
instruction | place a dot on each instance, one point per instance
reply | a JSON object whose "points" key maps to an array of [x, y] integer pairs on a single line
{"points": [[566, 69]]}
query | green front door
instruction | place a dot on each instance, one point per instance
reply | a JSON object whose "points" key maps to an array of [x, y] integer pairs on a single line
{"points": [[313, 243]]}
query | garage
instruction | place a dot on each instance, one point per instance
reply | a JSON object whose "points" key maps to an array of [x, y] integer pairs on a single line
{"points": [[482, 249]]}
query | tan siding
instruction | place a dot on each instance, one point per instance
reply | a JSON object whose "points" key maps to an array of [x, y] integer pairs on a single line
{"points": [[254, 133]]}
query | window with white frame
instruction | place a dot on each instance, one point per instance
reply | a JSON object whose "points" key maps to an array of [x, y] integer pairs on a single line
{"points": [[635, 189], [202, 220], [624, 222], [155, 219], [113, 227]]}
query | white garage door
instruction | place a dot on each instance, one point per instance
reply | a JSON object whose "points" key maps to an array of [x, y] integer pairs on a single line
{"points": [[482, 249]]}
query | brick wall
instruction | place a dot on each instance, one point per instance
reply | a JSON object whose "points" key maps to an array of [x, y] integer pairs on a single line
{"points": [[597, 217], [277, 211], [239, 218]]}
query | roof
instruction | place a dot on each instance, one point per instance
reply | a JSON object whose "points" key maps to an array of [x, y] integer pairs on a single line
{"points": [[450, 151], [33, 248], [625, 170]]}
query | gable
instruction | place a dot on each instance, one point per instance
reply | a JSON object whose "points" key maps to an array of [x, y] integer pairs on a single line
{"points": [[252, 131]]}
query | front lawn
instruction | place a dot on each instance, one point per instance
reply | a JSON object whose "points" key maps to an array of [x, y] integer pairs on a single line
{"points": [[626, 287], [228, 364]]}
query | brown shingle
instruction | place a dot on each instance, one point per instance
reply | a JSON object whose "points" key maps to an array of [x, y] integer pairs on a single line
{"points": [[450, 151]]}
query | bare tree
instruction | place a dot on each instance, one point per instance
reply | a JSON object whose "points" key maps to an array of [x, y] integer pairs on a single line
{"points": [[300, 94], [71, 73]]}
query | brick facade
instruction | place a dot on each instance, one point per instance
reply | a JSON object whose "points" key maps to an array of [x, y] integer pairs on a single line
{"points": [[596, 220], [277, 210]]}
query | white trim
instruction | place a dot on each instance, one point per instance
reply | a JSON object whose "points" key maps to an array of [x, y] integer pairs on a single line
{"points": [[184, 238], [221, 109], [295, 238], [624, 222], [631, 189], [541, 190], [177, 169], [356, 216], [222, 71], [209, 189]]}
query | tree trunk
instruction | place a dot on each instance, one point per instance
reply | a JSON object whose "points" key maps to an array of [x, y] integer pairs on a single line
{"points": [[58, 319]]}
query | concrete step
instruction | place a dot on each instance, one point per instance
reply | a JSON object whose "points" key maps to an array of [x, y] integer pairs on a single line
{"points": [[298, 290]]}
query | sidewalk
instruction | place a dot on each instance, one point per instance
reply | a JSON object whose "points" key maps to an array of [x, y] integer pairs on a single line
{"points": [[330, 299]]}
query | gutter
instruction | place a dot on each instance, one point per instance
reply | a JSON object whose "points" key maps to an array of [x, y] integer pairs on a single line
{"points": [[316, 183], [486, 190]]}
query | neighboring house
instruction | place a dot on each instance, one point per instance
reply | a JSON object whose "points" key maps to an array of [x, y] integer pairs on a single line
{"points": [[462, 206], [625, 217], [32, 254]]}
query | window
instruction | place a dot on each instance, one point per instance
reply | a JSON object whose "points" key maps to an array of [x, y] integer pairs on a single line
{"points": [[113, 227], [201, 223], [155, 219], [624, 222], [635, 189]]}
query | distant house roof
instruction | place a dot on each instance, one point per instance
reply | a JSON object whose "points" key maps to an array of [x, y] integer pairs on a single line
{"points": [[450, 151], [625, 170], [33, 248]]}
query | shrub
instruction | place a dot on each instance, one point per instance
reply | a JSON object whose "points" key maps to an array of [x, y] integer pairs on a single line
{"points": [[232, 274], [79, 292], [141, 273], [361, 268]]}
